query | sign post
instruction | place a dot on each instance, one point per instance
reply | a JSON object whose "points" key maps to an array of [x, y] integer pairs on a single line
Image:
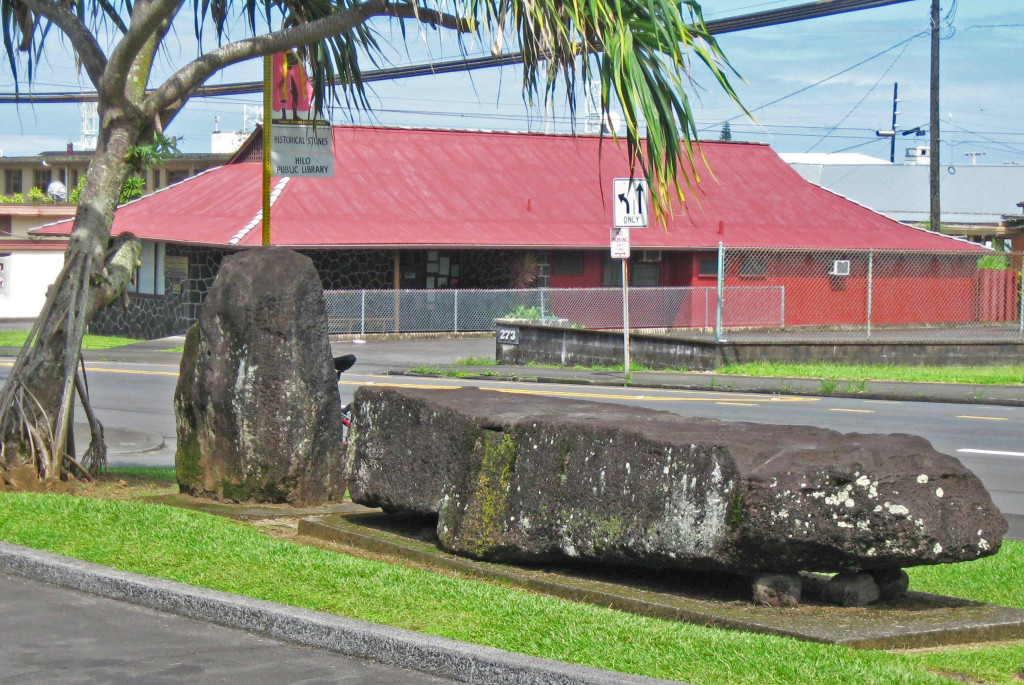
{"points": [[629, 211], [620, 250], [267, 119], [295, 145]]}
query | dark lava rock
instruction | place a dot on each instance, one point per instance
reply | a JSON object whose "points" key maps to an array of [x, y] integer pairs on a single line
{"points": [[257, 407], [528, 478], [851, 590], [777, 589], [893, 583]]}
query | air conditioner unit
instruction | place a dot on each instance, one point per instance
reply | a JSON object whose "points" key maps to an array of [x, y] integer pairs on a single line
{"points": [[840, 267], [650, 255]]}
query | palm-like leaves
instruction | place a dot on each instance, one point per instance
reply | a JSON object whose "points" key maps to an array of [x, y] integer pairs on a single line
{"points": [[641, 51]]}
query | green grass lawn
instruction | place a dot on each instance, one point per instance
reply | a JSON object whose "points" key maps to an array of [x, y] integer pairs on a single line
{"points": [[218, 553], [980, 375], [157, 475], [90, 342], [977, 375]]}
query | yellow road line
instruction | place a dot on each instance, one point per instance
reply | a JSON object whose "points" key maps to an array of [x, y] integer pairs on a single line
{"points": [[985, 418], [738, 404], [540, 390], [857, 411], [89, 368]]}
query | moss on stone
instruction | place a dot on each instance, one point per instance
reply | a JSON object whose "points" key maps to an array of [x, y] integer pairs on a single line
{"points": [[735, 514], [601, 532], [484, 523], [186, 465]]}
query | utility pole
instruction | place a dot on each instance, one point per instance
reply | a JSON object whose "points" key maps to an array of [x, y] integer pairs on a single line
{"points": [[892, 141], [935, 215], [891, 133]]}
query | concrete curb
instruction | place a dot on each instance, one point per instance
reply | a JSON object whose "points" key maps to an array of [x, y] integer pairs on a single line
{"points": [[438, 656]]}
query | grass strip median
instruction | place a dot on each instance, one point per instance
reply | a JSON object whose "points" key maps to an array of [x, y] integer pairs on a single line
{"points": [[978, 375], [90, 342], [222, 554]]}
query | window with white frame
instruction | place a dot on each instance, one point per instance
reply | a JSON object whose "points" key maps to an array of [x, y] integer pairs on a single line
{"points": [[149, 279]]}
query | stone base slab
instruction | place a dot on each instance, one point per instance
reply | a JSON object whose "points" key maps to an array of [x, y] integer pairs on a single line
{"points": [[918, 620]]}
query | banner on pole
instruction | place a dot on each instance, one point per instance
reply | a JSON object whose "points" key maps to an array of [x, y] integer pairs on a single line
{"points": [[300, 142], [290, 86]]}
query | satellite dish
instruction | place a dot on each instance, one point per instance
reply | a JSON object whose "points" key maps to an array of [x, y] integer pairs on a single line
{"points": [[57, 191], [612, 123]]}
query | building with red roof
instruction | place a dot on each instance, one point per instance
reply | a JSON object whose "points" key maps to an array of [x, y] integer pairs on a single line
{"points": [[426, 209]]}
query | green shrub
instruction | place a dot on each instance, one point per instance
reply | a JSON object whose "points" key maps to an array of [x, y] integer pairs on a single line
{"points": [[38, 195], [76, 192], [524, 312], [133, 188], [994, 262]]}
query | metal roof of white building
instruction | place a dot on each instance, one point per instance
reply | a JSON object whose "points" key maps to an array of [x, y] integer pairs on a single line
{"points": [[974, 195]]}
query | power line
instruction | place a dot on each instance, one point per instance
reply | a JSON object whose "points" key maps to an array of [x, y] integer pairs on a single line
{"points": [[861, 101], [744, 22], [826, 79]]}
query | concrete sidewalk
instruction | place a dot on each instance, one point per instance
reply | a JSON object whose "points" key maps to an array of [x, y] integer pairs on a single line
{"points": [[144, 653]]}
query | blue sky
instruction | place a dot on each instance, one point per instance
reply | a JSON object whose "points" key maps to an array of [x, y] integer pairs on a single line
{"points": [[802, 81]]}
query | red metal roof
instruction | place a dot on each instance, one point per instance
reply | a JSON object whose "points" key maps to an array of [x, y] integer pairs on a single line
{"points": [[415, 187]]}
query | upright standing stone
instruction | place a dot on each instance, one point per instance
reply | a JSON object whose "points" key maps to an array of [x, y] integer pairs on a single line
{"points": [[257, 406]]}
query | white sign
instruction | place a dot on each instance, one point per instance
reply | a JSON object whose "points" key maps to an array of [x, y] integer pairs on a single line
{"points": [[620, 243], [631, 199], [5, 275], [301, 150]]}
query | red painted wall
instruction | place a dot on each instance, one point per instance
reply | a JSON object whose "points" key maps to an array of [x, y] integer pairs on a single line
{"points": [[796, 290]]}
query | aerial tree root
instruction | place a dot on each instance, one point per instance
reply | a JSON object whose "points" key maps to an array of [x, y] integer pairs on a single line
{"points": [[37, 401]]}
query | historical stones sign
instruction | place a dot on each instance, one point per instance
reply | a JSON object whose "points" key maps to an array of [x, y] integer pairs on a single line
{"points": [[301, 150]]}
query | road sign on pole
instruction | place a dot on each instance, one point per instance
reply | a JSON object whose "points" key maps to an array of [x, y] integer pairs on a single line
{"points": [[302, 150], [620, 243], [631, 199]]}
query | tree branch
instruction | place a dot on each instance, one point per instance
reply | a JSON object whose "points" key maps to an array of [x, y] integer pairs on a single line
{"points": [[147, 19], [120, 263], [184, 82], [89, 51]]}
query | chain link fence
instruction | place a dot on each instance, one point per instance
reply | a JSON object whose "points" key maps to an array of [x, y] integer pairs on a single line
{"points": [[879, 295], [758, 295]]}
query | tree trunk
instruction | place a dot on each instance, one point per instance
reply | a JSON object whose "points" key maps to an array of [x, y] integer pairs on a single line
{"points": [[35, 404]]}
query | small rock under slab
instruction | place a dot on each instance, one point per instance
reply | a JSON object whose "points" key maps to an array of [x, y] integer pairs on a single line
{"points": [[851, 590], [777, 589], [893, 583]]}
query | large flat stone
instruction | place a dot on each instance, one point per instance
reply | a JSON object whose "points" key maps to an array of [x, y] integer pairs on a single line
{"points": [[517, 478]]}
